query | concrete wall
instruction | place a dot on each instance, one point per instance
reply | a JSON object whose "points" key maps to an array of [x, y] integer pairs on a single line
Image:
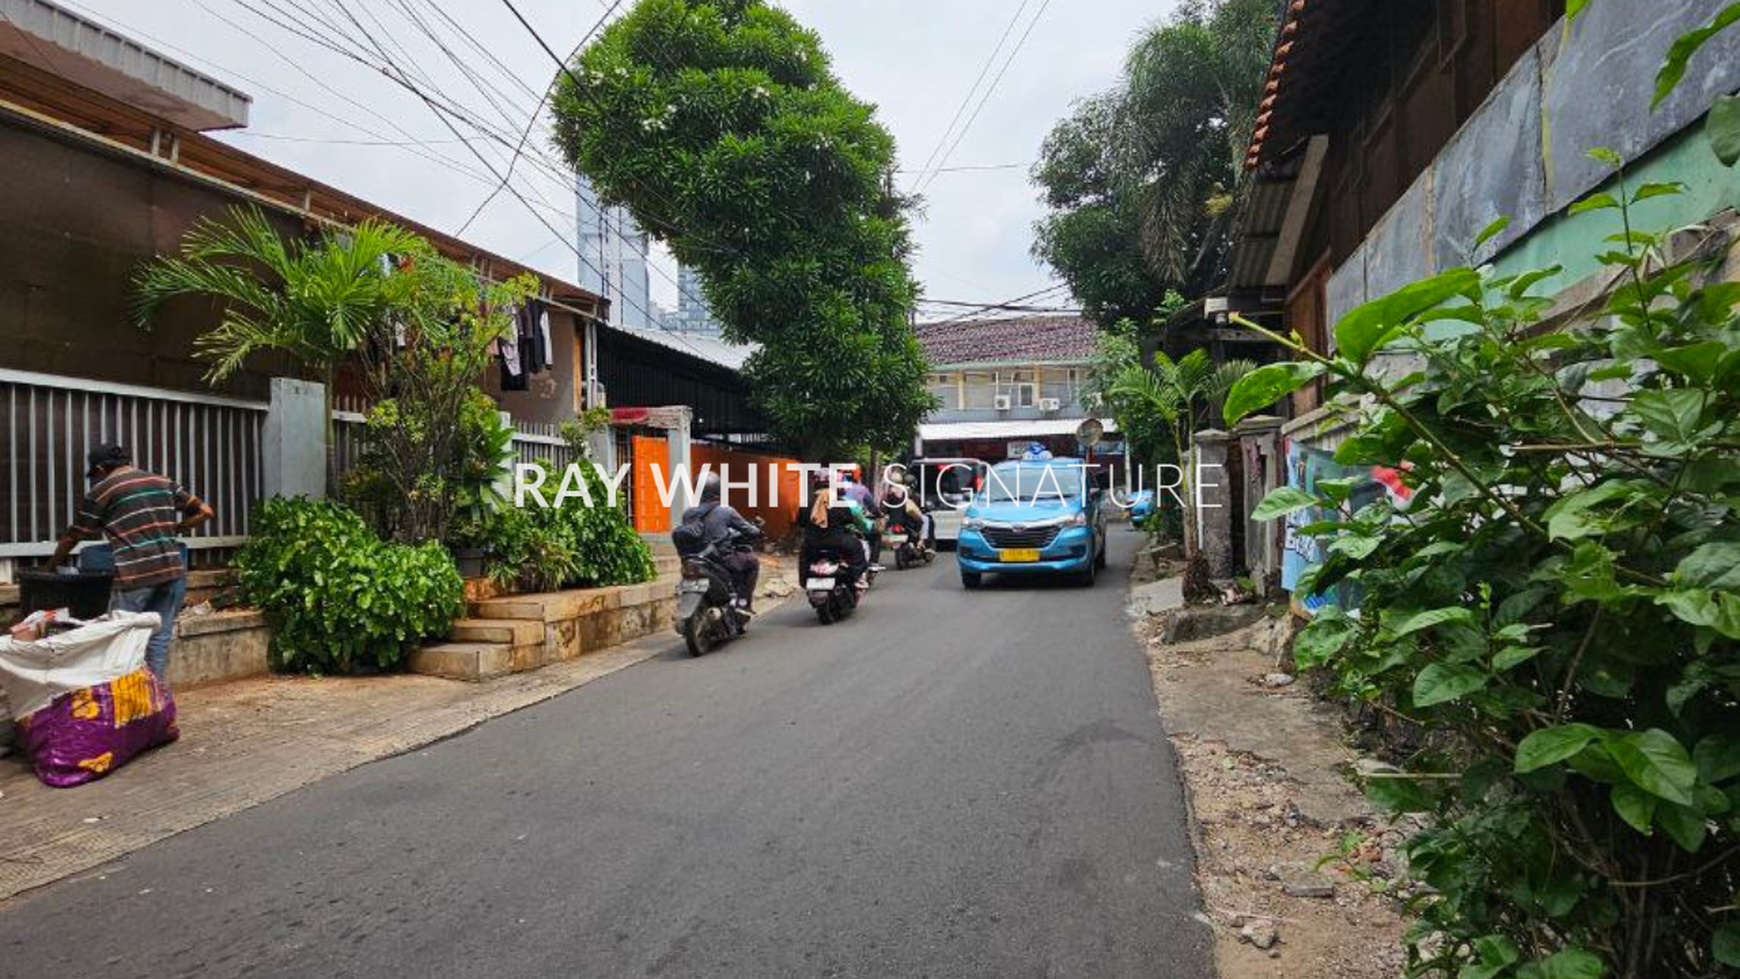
{"points": [[1524, 154]]}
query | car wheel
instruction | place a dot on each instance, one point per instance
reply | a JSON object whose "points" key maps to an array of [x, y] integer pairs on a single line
{"points": [[1100, 556], [1085, 577], [971, 580]]}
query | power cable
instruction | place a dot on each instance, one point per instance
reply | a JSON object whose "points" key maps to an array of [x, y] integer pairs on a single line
{"points": [[973, 90], [923, 183]]}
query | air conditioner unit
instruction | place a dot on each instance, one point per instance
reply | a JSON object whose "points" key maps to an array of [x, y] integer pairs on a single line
{"points": [[1004, 402], [1050, 404]]}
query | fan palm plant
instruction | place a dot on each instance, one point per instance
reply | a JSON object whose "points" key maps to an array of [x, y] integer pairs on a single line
{"points": [[313, 300], [1181, 393]]}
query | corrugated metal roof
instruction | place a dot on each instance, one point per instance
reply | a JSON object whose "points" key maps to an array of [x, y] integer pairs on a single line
{"points": [[711, 349], [57, 40]]}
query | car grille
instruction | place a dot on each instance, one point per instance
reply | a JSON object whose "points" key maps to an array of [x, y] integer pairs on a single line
{"points": [[1027, 538]]}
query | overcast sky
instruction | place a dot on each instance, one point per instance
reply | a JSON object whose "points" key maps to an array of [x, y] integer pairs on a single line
{"points": [[346, 125]]}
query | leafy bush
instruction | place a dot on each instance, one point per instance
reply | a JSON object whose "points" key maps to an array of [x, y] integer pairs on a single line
{"points": [[340, 599], [570, 546], [1558, 611]]}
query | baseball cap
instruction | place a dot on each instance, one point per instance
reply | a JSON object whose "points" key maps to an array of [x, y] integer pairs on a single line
{"points": [[106, 455]]}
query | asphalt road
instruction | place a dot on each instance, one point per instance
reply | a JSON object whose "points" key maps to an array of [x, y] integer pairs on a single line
{"points": [[945, 785]]}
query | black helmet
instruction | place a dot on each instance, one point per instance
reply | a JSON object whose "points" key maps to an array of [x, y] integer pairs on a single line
{"points": [[710, 488]]}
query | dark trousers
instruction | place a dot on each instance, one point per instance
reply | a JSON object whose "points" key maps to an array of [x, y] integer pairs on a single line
{"points": [[745, 568]]}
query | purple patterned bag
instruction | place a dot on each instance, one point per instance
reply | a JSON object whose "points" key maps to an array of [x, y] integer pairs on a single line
{"points": [[87, 733]]}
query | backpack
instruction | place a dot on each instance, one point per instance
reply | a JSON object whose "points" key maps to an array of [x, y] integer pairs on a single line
{"points": [[690, 537]]}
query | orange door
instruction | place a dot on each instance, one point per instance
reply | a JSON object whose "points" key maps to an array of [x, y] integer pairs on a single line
{"points": [[650, 513]]}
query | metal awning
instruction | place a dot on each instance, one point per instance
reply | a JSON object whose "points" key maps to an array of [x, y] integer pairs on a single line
{"points": [[963, 431]]}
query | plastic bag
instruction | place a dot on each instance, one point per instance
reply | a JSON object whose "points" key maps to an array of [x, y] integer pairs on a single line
{"points": [[86, 703]]}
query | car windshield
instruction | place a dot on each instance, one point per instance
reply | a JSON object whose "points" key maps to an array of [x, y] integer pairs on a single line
{"points": [[1025, 484]]}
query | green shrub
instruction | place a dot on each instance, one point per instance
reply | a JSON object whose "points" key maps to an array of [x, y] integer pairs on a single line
{"points": [[1558, 611], [338, 598], [571, 546]]}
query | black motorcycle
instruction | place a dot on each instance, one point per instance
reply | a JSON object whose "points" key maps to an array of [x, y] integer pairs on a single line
{"points": [[835, 588], [911, 549], [708, 612]]}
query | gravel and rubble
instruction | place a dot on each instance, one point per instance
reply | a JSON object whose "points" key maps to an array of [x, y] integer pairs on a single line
{"points": [[1299, 876]]}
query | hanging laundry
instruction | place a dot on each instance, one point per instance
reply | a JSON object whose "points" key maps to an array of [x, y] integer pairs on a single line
{"points": [[513, 372], [544, 331]]}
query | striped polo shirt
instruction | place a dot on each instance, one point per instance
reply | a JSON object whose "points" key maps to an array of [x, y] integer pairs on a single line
{"points": [[138, 511]]}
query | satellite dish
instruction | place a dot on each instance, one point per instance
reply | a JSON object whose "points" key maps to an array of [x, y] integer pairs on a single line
{"points": [[1090, 432]]}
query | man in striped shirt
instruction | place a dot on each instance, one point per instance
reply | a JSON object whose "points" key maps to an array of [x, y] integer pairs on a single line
{"points": [[142, 514]]}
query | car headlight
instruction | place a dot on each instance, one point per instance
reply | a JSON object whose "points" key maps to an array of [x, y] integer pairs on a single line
{"points": [[1079, 520], [973, 523]]}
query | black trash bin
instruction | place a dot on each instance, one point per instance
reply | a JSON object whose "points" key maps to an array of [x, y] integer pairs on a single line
{"points": [[86, 594]]}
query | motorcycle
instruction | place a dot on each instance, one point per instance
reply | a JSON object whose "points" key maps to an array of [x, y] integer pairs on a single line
{"points": [[910, 547], [708, 612], [834, 588]]}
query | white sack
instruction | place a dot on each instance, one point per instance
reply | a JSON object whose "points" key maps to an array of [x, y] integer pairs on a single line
{"points": [[34, 673]]}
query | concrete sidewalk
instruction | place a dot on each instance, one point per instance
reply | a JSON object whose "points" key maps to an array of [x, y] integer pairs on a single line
{"points": [[246, 742]]}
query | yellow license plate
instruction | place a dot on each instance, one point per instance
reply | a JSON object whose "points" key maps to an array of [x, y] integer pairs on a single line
{"points": [[1017, 557]]}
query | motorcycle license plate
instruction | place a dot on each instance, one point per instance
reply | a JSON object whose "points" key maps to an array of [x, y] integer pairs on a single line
{"points": [[895, 539], [1021, 556], [821, 584], [693, 587]]}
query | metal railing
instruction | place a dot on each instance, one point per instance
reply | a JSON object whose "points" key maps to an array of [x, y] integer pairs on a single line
{"points": [[209, 444], [533, 441]]}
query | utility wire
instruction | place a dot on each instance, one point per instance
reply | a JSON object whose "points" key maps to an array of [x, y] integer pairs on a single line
{"points": [[923, 182], [532, 120], [973, 90]]}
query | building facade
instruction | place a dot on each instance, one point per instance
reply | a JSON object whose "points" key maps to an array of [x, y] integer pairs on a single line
{"points": [[1004, 384]]}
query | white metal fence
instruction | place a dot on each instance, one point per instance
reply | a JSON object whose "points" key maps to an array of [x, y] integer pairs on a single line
{"points": [[210, 445], [533, 441]]}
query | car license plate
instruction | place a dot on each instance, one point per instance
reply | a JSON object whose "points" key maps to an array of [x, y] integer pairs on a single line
{"points": [[821, 584], [693, 587], [1026, 555]]}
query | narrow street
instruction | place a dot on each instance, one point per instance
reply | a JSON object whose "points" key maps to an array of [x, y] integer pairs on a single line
{"points": [[949, 785]]}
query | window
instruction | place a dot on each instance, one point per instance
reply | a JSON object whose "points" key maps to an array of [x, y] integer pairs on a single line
{"points": [[1060, 384], [981, 390], [945, 388], [1021, 387]]}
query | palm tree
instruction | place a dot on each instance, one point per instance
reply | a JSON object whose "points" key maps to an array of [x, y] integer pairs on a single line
{"points": [[314, 300], [1181, 392], [1190, 102]]}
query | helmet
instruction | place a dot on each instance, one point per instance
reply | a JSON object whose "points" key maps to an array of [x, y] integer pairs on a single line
{"points": [[709, 487]]}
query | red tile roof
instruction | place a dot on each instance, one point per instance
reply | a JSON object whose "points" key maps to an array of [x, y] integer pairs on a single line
{"points": [[1024, 339], [1310, 52]]}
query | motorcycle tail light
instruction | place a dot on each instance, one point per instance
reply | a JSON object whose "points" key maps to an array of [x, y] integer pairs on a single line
{"points": [[693, 570]]}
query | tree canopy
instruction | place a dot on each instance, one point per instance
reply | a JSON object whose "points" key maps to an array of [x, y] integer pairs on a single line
{"points": [[1140, 180], [720, 126]]}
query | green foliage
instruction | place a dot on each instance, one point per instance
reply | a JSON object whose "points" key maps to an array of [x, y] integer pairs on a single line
{"points": [[570, 546], [1558, 611], [338, 598], [1140, 180], [723, 130], [314, 300], [1180, 394], [1680, 55]]}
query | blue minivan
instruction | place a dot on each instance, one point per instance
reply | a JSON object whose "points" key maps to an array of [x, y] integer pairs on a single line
{"points": [[1034, 517]]}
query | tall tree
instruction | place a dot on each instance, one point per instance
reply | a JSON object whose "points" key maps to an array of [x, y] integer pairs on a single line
{"points": [[1141, 180], [721, 127]]}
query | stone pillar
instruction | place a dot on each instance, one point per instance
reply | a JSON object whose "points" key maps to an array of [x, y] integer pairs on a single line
{"points": [[1265, 468], [293, 443], [1212, 500], [677, 449]]}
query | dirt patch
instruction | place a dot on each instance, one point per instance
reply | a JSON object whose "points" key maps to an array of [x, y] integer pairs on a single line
{"points": [[1264, 764]]}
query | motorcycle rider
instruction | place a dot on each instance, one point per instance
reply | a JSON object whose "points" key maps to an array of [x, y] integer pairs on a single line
{"points": [[722, 525], [841, 527], [901, 504], [855, 491]]}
